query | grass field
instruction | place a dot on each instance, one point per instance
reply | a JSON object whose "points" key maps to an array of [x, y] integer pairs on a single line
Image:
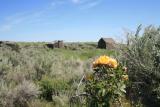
{"points": [[46, 77]]}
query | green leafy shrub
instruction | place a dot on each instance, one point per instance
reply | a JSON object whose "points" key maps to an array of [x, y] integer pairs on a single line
{"points": [[47, 89], [106, 84], [52, 87], [142, 58]]}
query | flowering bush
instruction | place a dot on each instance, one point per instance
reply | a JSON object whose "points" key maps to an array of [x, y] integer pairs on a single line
{"points": [[107, 84]]}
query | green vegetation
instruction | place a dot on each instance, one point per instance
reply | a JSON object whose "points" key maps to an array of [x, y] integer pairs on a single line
{"points": [[142, 58], [33, 75], [106, 84]]}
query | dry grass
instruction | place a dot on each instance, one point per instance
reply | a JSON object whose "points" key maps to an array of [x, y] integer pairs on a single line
{"points": [[21, 72]]}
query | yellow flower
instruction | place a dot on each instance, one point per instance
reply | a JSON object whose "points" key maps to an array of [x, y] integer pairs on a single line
{"points": [[105, 60], [125, 77], [113, 63], [102, 60]]}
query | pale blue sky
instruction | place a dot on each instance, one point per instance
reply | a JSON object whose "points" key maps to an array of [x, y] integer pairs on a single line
{"points": [[74, 20]]}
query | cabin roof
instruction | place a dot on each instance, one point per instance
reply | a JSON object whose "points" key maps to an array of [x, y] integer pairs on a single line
{"points": [[108, 40]]}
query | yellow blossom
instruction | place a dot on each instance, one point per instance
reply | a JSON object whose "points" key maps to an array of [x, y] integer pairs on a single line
{"points": [[113, 63], [125, 77], [105, 60]]}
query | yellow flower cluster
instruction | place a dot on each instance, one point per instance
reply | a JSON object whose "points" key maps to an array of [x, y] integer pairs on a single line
{"points": [[105, 60]]}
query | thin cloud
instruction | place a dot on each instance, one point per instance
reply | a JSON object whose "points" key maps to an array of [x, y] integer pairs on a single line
{"points": [[25, 17], [57, 2], [15, 20], [76, 1], [86, 4], [29, 17], [80, 1], [11, 21], [90, 4]]}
